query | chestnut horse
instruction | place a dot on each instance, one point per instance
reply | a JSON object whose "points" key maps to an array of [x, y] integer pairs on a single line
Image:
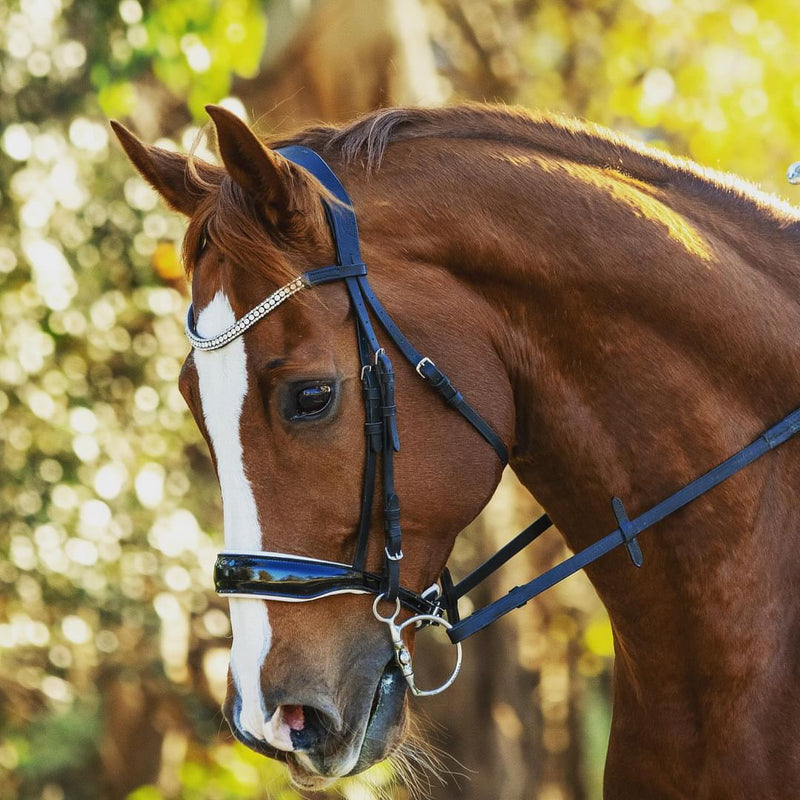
{"points": [[622, 319]]}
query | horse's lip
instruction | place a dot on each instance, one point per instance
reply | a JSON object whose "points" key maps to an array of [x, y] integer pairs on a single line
{"points": [[258, 745], [386, 706], [300, 775]]}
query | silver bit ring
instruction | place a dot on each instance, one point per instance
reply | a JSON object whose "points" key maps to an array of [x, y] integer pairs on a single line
{"points": [[432, 619]]}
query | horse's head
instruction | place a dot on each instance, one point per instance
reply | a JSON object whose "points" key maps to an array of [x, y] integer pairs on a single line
{"points": [[281, 408]]}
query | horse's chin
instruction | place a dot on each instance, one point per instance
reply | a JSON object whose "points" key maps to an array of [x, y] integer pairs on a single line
{"points": [[304, 778], [387, 719]]}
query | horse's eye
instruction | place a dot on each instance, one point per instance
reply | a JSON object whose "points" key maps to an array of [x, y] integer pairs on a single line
{"points": [[312, 400]]}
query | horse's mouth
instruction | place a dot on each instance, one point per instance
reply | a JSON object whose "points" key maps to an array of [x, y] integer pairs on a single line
{"points": [[386, 713], [383, 731], [304, 777], [257, 745], [302, 771]]}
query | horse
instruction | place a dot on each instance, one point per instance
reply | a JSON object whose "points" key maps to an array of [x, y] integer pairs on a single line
{"points": [[623, 320]]}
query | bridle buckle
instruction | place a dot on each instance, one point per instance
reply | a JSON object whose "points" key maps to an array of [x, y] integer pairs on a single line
{"points": [[391, 556], [424, 360]]}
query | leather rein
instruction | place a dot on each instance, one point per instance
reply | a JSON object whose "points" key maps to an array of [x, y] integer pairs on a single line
{"points": [[289, 578]]}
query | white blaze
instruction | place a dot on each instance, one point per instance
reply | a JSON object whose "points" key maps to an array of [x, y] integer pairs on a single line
{"points": [[222, 376]]}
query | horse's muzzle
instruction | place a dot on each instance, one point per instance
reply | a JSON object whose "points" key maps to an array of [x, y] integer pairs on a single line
{"points": [[318, 749]]}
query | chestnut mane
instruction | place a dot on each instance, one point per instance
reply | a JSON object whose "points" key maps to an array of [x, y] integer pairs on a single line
{"points": [[238, 226], [365, 142]]}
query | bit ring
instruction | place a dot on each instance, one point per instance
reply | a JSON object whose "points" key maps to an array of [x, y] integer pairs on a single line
{"points": [[390, 619], [432, 619]]}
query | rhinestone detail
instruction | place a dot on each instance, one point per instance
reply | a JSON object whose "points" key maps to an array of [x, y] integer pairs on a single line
{"points": [[243, 323]]}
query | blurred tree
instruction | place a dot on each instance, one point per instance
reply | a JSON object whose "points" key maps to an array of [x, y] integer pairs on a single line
{"points": [[307, 74]]}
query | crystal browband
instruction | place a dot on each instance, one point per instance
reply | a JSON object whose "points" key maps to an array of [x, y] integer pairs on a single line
{"points": [[247, 321]]}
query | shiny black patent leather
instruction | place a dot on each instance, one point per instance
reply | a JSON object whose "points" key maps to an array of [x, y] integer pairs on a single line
{"points": [[275, 576]]}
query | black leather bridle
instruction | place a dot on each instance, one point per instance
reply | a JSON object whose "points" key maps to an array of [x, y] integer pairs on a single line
{"points": [[289, 578]]}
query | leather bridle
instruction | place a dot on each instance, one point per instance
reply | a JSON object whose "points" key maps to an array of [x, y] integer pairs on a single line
{"points": [[289, 578]]}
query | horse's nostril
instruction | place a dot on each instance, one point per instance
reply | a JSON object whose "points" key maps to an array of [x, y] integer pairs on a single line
{"points": [[309, 726], [292, 726]]}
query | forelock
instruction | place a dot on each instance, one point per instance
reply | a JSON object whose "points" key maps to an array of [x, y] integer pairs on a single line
{"points": [[242, 231]]}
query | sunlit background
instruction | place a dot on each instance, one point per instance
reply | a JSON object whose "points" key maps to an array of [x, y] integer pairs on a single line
{"points": [[113, 648]]}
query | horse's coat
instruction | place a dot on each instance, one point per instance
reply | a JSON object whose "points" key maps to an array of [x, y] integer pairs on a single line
{"points": [[625, 320]]}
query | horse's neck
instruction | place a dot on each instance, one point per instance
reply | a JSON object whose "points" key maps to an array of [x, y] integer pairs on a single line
{"points": [[640, 361], [644, 347]]}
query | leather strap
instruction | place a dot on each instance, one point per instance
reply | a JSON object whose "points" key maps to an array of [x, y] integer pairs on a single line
{"points": [[438, 380], [333, 272], [341, 217], [378, 377], [506, 553], [520, 595], [432, 375], [373, 429], [391, 507], [628, 532]]}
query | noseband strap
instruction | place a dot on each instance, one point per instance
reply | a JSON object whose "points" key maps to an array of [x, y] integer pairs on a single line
{"points": [[294, 579]]}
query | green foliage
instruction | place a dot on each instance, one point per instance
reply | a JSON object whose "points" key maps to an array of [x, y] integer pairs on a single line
{"points": [[192, 47], [714, 79], [232, 772], [225, 772], [60, 749], [224, 38]]}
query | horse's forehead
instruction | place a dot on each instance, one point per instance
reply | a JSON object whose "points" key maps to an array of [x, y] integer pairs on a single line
{"points": [[214, 275], [207, 282]]}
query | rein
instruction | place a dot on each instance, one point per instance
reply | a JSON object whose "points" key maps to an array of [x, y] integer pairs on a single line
{"points": [[288, 578]]}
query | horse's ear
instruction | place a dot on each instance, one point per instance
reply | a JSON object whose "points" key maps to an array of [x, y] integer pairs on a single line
{"points": [[167, 172], [264, 174]]}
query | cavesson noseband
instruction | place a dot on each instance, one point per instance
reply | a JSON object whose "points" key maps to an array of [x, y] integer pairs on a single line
{"points": [[290, 578]]}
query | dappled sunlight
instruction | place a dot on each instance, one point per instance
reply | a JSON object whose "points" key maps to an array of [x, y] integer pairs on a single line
{"points": [[638, 197]]}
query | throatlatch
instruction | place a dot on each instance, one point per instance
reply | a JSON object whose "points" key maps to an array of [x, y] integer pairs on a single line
{"points": [[287, 578]]}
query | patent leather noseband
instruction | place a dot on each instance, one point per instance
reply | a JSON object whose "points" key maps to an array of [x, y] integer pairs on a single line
{"points": [[289, 578]]}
